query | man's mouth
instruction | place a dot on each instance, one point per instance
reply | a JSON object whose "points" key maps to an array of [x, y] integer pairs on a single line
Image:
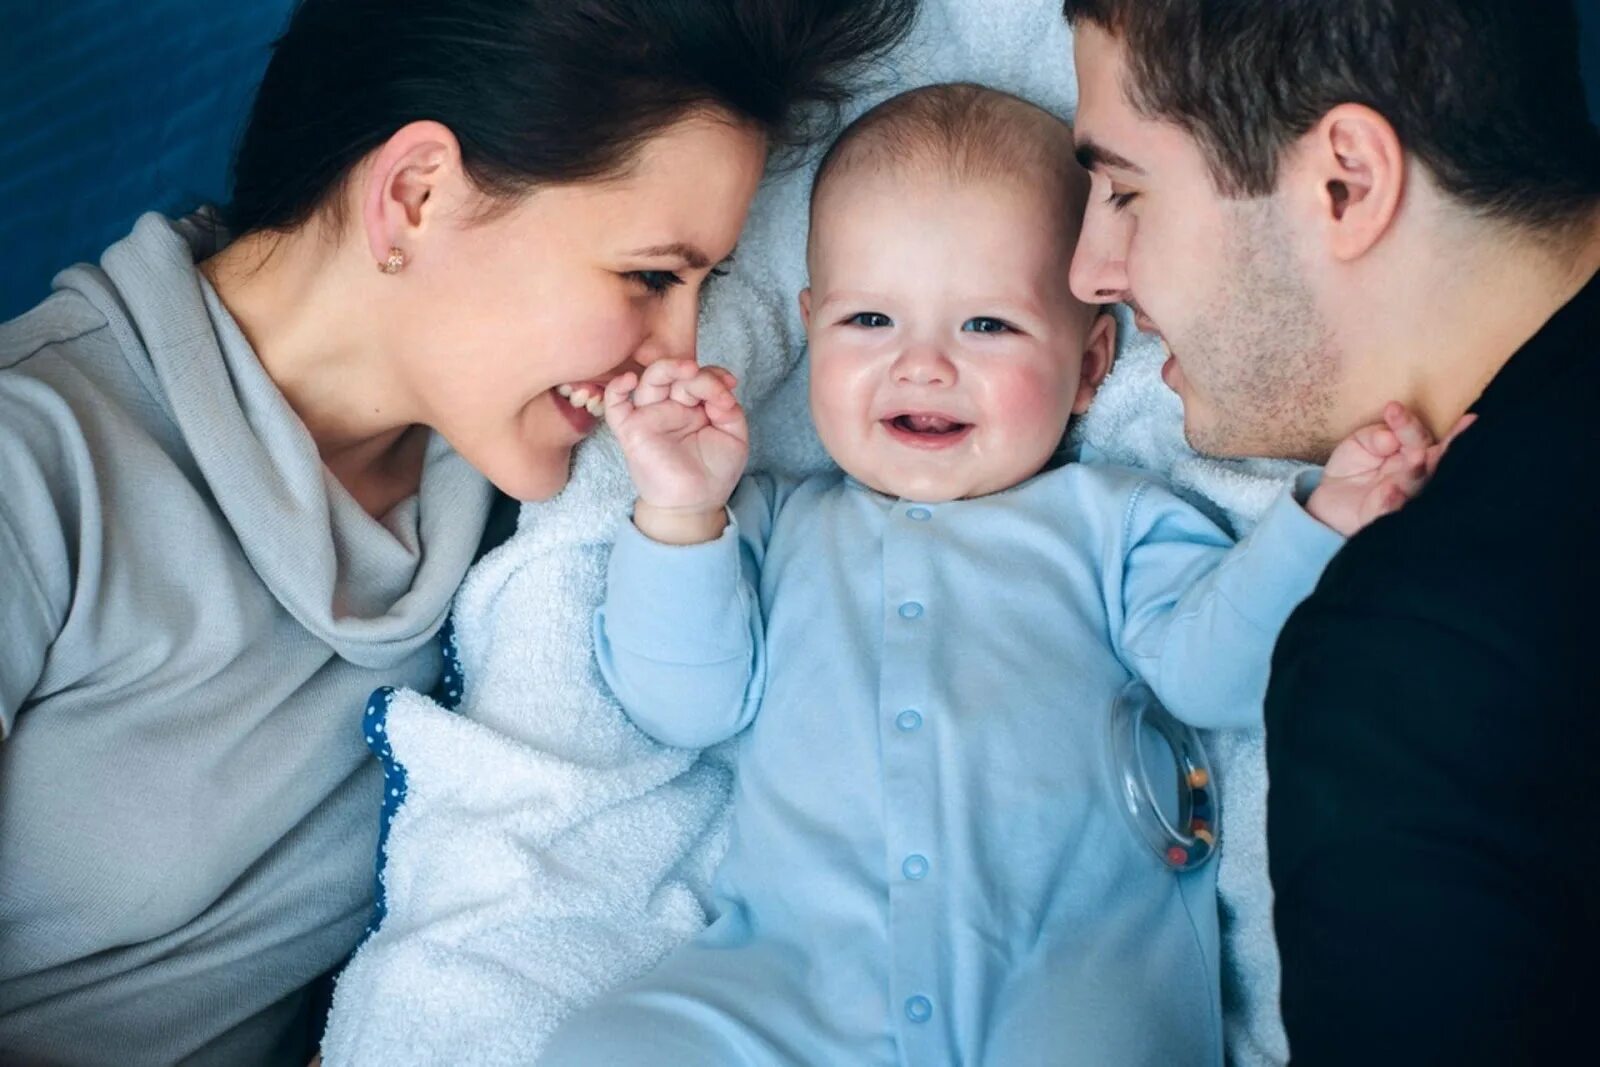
{"points": [[1169, 368]]}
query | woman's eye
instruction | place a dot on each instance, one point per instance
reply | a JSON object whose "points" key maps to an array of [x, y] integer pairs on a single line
{"points": [[981, 324], [1118, 201], [657, 281], [870, 320]]}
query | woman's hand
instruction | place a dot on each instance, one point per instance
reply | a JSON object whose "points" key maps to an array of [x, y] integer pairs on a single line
{"points": [[685, 440], [1377, 469]]}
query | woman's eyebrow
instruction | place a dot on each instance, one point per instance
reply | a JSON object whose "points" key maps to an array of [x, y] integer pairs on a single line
{"points": [[688, 253]]}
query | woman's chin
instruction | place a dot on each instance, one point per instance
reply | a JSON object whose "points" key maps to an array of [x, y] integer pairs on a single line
{"points": [[533, 479]]}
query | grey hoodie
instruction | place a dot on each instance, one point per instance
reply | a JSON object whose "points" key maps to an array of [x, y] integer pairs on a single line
{"points": [[192, 614]]}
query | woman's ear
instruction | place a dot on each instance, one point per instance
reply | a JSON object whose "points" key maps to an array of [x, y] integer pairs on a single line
{"points": [[805, 307], [402, 186], [1098, 351]]}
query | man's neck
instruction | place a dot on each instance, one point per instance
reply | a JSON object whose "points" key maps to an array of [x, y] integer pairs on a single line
{"points": [[1452, 329]]}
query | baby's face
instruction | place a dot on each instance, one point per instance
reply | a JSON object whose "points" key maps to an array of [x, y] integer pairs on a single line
{"points": [[947, 352]]}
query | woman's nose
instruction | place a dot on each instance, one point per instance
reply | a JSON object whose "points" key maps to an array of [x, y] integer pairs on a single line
{"points": [[922, 364], [1099, 271], [672, 331]]}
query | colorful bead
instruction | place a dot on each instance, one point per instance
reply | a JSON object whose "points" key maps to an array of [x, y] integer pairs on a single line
{"points": [[1196, 825], [1205, 835], [1198, 778], [1177, 857]]}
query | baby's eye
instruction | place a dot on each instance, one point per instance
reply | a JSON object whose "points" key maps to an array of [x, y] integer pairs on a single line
{"points": [[656, 281], [870, 320], [982, 324]]}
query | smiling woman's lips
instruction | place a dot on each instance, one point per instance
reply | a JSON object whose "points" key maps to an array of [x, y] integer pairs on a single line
{"points": [[579, 418]]}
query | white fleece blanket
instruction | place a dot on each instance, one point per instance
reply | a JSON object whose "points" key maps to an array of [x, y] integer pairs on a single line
{"points": [[547, 851]]}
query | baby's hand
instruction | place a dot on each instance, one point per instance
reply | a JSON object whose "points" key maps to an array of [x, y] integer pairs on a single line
{"points": [[683, 435], [1377, 469]]}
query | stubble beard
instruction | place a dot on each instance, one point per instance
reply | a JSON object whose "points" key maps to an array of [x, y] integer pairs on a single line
{"points": [[1272, 368]]}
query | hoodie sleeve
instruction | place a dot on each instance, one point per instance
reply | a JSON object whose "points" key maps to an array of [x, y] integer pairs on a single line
{"points": [[37, 561]]}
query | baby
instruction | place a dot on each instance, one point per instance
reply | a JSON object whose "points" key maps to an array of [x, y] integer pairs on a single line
{"points": [[927, 864]]}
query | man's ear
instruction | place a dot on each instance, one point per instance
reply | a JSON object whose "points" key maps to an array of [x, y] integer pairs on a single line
{"points": [[402, 183], [1098, 352], [1354, 162], [805, 307]]}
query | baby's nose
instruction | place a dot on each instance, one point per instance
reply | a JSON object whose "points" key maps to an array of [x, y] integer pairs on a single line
{"points": [[924, 365]]}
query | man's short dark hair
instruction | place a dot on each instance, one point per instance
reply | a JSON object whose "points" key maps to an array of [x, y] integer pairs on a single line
{"points": [[1486, 93]]}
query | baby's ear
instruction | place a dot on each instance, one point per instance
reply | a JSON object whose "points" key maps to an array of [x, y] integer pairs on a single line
{"points": [[805, 308], [1098, 351]]}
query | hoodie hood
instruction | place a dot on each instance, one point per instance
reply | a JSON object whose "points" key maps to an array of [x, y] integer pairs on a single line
{"points": [[374, 590]]}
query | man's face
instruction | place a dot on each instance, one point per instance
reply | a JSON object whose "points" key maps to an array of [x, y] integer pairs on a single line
{"points": [[1218, 280]]}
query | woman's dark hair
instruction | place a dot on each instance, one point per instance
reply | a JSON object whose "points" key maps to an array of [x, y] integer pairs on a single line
{"points": [[1486, 93], [536, 91]]}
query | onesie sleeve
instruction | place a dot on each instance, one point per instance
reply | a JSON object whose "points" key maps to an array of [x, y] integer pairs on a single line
{"points": [[679, 637], [1201, 614]]}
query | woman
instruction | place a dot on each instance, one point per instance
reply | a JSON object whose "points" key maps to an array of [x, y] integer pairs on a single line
{"points": [[239, 482]]}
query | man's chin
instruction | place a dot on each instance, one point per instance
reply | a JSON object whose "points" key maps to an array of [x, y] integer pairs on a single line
{"points": [[1205, 434], [1212, 439]]}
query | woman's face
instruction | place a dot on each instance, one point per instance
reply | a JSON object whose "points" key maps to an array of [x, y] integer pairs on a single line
{"points": [[571, 286]]}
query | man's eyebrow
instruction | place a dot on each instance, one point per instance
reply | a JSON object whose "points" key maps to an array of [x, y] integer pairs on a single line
{"points": [[688, 253], [1092, 157]]}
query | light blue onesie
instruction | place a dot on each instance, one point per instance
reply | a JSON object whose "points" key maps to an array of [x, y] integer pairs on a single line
{"points": [[927, 865]]}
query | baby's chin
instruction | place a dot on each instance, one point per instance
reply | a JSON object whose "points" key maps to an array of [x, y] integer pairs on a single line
{"points": [[934, 487]]}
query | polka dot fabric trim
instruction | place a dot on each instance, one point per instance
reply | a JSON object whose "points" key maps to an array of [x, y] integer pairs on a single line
{"points": [[375, 725]]}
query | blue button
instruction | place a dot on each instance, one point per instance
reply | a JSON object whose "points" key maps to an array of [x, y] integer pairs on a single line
{"points": [[915, 867], [919, 514], [911, 610], [908, 720], [919, 1009]]}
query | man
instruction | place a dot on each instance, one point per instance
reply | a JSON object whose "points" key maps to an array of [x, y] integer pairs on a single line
{"points": [[1322, 207]]}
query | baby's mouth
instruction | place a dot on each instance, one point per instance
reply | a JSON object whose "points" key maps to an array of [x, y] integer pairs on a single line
{"points": [[932, 425]]}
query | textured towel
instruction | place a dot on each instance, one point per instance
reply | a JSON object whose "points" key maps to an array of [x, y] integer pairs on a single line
{"points": [[546, 850]]}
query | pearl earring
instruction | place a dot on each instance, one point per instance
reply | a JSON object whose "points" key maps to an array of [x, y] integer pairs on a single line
{"points": [[395, 263]]}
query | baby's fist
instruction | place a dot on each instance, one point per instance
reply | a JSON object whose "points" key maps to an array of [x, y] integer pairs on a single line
{"points": [[682, 432], [1377, 469]]}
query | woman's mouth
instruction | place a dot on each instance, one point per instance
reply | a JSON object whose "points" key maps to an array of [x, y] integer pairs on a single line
{"points": [[583, 404], [926, 430], [588, 395]]}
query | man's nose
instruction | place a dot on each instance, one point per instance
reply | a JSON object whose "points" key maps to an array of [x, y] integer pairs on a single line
{"points": [[924, 364], [672, 330], [1099, 271]]}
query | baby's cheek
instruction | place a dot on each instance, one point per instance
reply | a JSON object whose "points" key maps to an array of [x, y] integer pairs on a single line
{"points": [[1033, 402]]}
